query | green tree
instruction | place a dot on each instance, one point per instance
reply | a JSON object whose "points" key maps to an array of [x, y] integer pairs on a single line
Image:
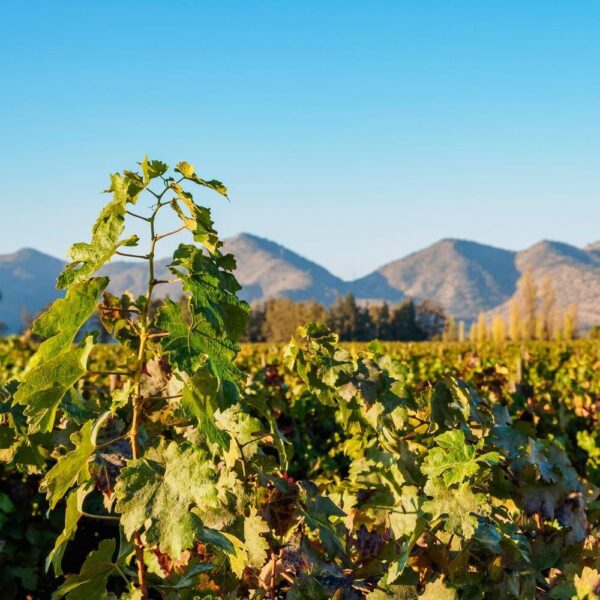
{"points": [[255, 331], [349, 320], [380, 319], [403, 323], [431, 319]]}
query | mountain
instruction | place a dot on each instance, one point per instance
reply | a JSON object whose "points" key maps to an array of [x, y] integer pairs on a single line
{"points": [[574, 271], [27, 280], [268, 270], [465, 277]]}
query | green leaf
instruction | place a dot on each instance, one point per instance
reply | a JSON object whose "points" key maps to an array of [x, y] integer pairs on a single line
{"points": [[213, 289], [318, 510], [72, 515], [238, 556], [188, 171], [439, 590], [65, 317], [188, 345], [458, 506], [397, 567], [152, 169], [87, 258], [454, 459], [120, 397], [218, 317], [200, 400], [170, 495], [199, 222], [94, 574], [255, 529], [244, 428], [73, 464], [44, 387]]}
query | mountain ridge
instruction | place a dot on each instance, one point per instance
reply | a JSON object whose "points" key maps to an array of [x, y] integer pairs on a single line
{"points": [[466, 277]]}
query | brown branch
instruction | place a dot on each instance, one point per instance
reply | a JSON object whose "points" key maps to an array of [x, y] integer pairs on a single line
{"points": [[142, 256], [159, 281], [137, 216], [139, 561], [121, 310], [164, 235], [100, 517], [158, 335]]}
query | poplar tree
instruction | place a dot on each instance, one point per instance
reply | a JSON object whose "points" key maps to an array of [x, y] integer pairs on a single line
{"points": [[498, 329], [547, 317], [570, 323], [514, 320]]}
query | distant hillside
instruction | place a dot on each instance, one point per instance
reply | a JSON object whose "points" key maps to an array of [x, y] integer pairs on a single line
{"points": [[465, 277], [575, 273], [27, 280], [268, 270]]}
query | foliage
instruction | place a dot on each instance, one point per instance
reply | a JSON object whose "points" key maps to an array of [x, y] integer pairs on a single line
{"points": [[313, 471]]}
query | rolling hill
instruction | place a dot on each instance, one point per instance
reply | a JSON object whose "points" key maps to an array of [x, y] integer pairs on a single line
{"points": [[465, 277]]}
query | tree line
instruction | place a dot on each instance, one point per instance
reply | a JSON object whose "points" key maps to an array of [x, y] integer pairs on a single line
{"points": [[532, 314], [276, 320]]}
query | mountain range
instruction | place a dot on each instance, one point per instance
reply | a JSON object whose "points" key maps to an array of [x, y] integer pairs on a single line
{"points": [[465, 277]]}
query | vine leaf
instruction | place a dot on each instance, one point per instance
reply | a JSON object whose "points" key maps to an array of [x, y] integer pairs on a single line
{"points": [[151, 169], [65, 317], [200, 399], [73, 465], [587, 584], [454, 459], [44, 387], [72, 515], [255, 528], [459, 505], [87, 258], [317, 511], [91, 581], [238, 556], [189, 172], [212, 288], [170, 494], [397, 567], [438, 590], [199, 222]]}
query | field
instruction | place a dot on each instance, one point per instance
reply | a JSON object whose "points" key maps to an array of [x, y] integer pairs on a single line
{"points": [[551, 392]]}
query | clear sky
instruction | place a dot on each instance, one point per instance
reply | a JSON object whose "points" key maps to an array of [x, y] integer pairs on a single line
{"points": [[351, 132]]}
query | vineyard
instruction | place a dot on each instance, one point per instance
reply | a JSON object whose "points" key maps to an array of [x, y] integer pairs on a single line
{"points": [[175, 463]]}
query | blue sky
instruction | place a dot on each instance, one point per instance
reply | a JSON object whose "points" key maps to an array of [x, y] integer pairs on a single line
{"points": [[351, 132]]}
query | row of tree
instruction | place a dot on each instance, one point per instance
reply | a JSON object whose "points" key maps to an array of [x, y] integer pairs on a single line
{"points": [[277, 319], [533, 314]]}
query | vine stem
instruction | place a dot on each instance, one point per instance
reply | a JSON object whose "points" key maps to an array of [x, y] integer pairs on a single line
{"points": [[137, 398]]}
